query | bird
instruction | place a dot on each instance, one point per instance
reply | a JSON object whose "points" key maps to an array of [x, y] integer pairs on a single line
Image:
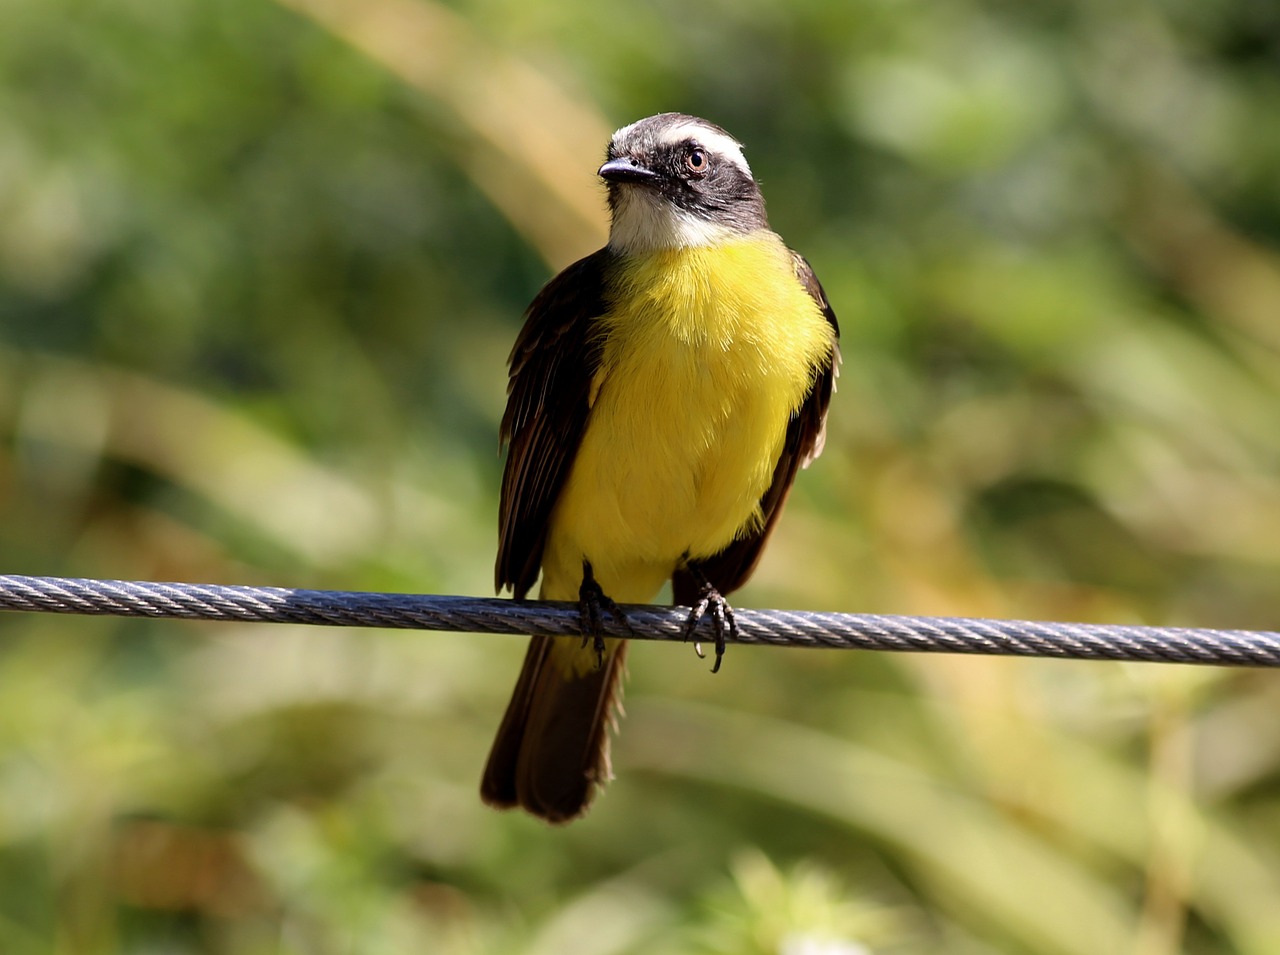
{"points": [[661, 396]]}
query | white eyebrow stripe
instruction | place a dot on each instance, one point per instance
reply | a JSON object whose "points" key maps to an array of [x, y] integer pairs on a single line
{"points": [[717, 142]]}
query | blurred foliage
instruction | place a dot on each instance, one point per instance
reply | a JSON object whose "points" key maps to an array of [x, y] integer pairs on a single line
{"points": [[260, 266]]}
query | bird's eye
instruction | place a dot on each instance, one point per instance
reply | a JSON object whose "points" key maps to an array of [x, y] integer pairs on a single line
{"points": [[696, 159]]}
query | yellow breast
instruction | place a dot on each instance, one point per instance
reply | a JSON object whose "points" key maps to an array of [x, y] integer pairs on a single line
{"points": [[707, 353]]}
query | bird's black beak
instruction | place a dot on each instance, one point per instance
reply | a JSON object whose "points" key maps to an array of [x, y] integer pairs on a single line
{"points": [[626, 169]]}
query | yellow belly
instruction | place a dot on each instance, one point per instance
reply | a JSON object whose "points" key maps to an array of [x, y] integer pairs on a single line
{"points": [[698, 380]]}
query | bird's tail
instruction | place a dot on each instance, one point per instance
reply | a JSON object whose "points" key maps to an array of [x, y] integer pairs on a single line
{"points": [[552, 748]]}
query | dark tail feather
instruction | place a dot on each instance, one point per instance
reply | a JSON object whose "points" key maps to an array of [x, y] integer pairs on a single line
{"points": [[552, 748]]}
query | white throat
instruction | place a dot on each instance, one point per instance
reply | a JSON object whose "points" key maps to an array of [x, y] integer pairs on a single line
{"points": [[646, 222]]}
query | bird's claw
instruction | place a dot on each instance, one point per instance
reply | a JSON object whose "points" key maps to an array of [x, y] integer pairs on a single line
{"points": [[722, 622], [591, 600]]}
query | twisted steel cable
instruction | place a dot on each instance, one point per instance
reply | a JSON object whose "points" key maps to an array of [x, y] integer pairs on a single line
{"points": [[795, 628]]}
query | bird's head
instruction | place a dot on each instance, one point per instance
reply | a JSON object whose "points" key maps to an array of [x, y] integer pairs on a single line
{"points": [[677, 181]]}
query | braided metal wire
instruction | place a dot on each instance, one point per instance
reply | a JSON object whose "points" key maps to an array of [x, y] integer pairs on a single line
{"points": [[795, 628]]}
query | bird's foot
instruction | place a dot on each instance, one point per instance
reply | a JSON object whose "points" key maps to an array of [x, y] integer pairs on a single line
{"points": [[591, 601], [722, 622]]}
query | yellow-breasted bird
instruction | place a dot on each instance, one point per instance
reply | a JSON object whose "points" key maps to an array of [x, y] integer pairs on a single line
{"points": [[662, 395]]}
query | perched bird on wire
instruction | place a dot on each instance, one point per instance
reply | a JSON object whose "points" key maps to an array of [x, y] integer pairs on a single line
{"points": [[662, 395]]}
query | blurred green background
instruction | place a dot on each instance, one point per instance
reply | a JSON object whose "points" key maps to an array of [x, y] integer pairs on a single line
{"points": [[260, 267]]}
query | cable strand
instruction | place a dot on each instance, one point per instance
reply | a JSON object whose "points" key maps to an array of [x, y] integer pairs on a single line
{"points": [[792, 628]]}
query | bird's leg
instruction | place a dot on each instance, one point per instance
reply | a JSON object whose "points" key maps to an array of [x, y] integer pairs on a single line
{"points": [[591, 600], [722, 622]]}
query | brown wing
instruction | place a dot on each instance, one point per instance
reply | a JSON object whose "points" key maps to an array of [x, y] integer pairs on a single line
{"points": [[551, 367], [806, 432]]}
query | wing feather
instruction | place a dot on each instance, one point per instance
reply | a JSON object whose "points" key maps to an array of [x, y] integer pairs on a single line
{"points": [[551, 367]]}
